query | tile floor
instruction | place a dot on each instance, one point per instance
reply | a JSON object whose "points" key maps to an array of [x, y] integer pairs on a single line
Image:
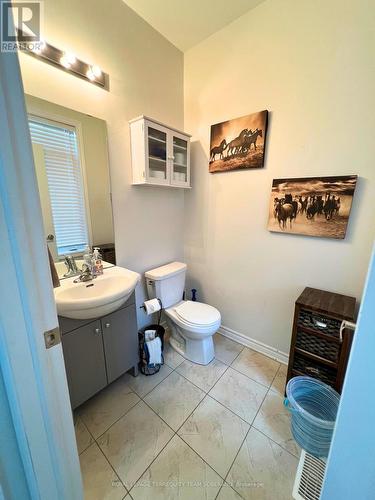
{"points": [[191, 432]]}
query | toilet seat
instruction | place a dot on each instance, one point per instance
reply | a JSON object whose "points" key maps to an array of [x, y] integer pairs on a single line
{"points": [[197, 314]]}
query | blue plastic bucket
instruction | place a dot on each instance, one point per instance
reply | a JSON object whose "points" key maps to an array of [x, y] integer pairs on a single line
{"points": [[313, 406]]}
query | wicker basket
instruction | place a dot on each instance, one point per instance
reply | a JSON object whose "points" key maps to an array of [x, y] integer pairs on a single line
{"points": [[315, 370], [319, 346], [329, 326]]}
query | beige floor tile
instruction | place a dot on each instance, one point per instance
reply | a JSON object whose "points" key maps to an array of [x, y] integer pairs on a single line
{"points": [[133, 442], [178, 473], [99, 480], [278, 384], [215, 433], [143, 384], [204, 376], [171, 357], [225, 349], [83, 437], [262, 469], [101, 411], [174, 399], [256, 366], [239, 393], [273, 419], [228, 493]]}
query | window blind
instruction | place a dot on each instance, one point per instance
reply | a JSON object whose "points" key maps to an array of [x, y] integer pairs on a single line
{"points": [[65, 186]]}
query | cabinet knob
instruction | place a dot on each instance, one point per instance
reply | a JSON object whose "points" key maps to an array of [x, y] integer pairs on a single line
{"points": [[107, 325], [97, 331]]}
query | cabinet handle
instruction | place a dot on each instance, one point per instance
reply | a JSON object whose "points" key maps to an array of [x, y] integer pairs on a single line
{"points": [[107, 325], [319, 323], [314, 371], [96, 331]]}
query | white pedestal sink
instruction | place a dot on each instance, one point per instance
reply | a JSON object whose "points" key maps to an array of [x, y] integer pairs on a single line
{"points": [[96, 298]]}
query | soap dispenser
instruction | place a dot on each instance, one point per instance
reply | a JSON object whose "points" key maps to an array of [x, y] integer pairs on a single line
{"points": [[97, 263]]}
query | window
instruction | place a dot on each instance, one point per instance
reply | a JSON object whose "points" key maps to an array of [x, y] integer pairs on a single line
{"points": [[65, 185]]}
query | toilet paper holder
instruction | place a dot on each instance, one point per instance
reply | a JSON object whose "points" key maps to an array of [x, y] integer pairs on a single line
{"points": [[144, 307]]}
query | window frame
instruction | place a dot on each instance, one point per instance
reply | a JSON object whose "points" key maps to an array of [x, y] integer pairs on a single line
{"points": [[60, 120]]}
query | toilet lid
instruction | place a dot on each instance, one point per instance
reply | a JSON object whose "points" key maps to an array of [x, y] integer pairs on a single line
{"points": [[197, 313]]}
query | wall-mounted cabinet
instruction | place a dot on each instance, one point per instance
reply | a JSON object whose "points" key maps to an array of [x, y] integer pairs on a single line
{"points": [[160, 154]]}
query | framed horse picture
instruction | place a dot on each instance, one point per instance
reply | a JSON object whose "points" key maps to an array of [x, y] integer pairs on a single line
{"points": [[238, 143], [313, 206]]}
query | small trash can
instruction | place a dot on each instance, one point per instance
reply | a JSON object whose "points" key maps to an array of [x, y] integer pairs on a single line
{"points": [[313, 406], [144, 366]]}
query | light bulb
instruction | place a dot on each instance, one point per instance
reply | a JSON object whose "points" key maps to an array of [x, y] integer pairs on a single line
{"points": [[90, 74], [67, 60], [97, 71], [71, 58], [64, 62]]}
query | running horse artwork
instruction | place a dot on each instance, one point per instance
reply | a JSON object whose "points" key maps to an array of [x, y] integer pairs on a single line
{"points": [[239, 143], [313, 206]]}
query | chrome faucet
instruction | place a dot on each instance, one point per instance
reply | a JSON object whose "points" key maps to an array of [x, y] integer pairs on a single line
{"points": [[86, 274], [71, 266]]}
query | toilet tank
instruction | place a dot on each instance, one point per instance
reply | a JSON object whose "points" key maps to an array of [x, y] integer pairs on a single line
{"points": [[167, 283]]}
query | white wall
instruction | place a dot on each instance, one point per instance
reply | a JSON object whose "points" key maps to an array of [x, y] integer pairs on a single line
{"points": [[311, 65], [146, 77]]}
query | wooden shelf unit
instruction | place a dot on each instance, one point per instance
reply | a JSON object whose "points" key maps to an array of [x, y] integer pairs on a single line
{"points": [[316, 349]]}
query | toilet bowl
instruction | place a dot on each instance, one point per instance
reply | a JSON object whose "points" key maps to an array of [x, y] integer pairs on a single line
{"points": [[192, 324]]}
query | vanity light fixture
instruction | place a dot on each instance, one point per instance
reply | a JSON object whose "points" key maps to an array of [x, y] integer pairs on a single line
{"points": [[69, 62]]}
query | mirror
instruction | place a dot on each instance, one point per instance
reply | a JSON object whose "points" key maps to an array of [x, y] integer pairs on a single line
{"points": [[71, 162]]}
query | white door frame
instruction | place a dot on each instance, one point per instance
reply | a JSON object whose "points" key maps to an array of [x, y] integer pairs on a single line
{"points": [[34, 377]]}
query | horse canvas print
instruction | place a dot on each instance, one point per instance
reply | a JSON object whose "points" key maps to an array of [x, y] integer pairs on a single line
{"points": [[313, 206], [238, 143]]}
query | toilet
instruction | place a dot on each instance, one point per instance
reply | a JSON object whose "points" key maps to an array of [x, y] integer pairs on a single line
{"points": [[192, 324]]}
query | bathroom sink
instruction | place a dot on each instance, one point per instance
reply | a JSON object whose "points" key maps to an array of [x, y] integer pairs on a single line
{"points": [[95, 298]]}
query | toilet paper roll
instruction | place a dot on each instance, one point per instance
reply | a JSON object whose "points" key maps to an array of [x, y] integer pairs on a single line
{"points": [[152, 306]]}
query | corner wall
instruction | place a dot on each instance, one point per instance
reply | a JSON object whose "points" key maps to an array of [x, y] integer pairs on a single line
{"points": [[311, 65], [146, 77]]}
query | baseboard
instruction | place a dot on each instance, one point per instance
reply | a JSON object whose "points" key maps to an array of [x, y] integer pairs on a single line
{"points": [[269, 351]]}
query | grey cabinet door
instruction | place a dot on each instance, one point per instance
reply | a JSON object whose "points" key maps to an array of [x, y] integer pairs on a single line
{"points": [[84, 362], [120, 337]]}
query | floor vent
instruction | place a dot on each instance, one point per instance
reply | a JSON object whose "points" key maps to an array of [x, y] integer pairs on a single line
{"points": [[309, 478]]}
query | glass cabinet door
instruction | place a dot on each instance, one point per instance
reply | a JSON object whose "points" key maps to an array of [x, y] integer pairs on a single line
{"points": [[156, 140], [180, 175]]}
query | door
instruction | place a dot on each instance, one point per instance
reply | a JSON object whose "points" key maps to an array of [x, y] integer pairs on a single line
{"points": [[120, 341], [180, 160], [351, 461], [45, 201], [84, 362], [32, 369], [157, 168]]}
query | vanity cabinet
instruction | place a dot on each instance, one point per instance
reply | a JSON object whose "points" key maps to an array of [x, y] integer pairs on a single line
{"points": [[120, 340], [84, 362], [160, 154], [97, 352]]}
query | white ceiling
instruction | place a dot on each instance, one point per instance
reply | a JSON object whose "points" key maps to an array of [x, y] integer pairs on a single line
{"points": [[187, 22]]}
